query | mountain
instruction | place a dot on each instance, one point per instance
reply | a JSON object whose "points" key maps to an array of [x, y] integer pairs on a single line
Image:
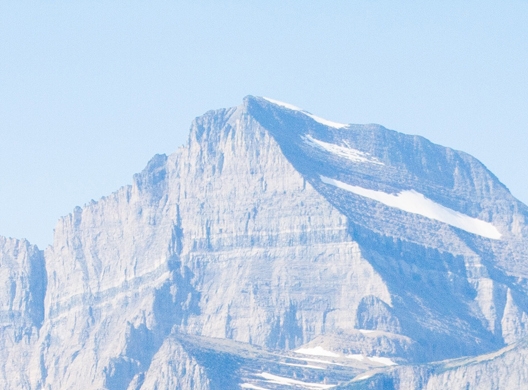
{"points": [[275, 250]]}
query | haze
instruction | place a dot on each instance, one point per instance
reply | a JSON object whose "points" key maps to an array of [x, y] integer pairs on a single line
{"points": [[90, 91]]}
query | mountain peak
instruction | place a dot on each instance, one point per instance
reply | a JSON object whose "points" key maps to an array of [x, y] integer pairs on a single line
{"points": [[267, 101]]}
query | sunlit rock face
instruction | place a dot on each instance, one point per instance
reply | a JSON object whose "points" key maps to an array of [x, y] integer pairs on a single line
{"points": [[22, 289], [272, 231]]}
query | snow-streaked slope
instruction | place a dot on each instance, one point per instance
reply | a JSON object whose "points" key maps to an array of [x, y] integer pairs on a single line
{"points": [[314, 117], [342, 151], [502, 370], [251, 386], [376, 359], [416, 203]]}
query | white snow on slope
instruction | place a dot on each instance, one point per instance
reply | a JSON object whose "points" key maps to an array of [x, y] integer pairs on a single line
{"points": [[366, 331], [358, 357], [369, 359], [416, 203], [251, 386], [382, 360], [363, 376], [317, 351], [314, 117], [292, 382], [342, 151]]}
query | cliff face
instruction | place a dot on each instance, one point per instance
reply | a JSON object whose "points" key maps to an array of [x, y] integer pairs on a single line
{"points": [[22, 289], [271, 229]]}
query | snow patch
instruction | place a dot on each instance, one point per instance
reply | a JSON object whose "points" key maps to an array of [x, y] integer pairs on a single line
{"points": [[416, 203], [372, 359], [292, 382], [358, 357], [342, 151], [251, 386], [366, 331], [363, 376], [317, 351], [314, 117], [382, 360]]}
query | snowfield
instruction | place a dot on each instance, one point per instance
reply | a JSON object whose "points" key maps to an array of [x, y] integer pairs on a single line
{"points": [[416, 203]]}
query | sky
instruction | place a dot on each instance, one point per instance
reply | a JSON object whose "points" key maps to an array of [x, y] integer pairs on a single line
{"points": [[91, 90]]}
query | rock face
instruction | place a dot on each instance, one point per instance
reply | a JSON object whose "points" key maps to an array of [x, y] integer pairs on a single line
{"points": [[272, 230], [22, 290]]}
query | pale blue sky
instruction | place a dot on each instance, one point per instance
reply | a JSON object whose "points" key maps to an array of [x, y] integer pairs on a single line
{"points": [[90, 91]]}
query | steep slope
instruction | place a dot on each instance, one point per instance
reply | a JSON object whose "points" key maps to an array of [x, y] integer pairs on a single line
{"points": [[504, 369], [467, 289], [280, 230], [22, 289]]}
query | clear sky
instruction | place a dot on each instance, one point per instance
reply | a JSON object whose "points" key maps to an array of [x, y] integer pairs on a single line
{"points": [[91, 90]]}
